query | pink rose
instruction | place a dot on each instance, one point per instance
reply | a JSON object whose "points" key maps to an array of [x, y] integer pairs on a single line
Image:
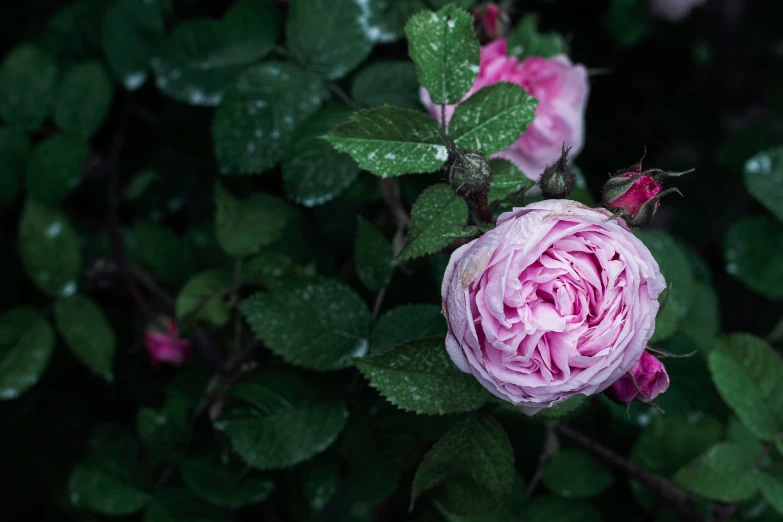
{"points": [[561, 89], [651, 379], [555, 301], [164, 345], [674, 10], [492, 20], [635, 195]]}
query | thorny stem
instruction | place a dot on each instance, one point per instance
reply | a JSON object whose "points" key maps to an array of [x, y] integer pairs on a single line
{"points": [[342, 95], [443, 116], [391, 195], [670, 494], [551, 445]]}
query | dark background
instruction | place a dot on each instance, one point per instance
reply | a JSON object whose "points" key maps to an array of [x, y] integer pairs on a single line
{"points": [[706, 93]]}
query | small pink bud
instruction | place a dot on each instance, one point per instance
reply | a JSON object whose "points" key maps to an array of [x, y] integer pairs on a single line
{"points": [[493, 21], [650, 379], [163, 343], [635, 195]]}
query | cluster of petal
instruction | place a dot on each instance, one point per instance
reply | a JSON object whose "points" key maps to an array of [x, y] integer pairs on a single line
{"points": [[647, 380], [164, 345], [556, 300], [561, 89]]}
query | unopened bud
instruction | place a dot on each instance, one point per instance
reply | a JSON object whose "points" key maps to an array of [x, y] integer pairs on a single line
{"points": [[469, 173], [557, 180]]}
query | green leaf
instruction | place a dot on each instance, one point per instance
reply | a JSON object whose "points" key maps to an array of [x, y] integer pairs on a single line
{"points": [[49, 249], [702, 322], [258, 115], [202, 298], [84, 99], [749, 377], [384, 20], [289, 423], [271, 270], [130, 34], [672, 440], [387, 83], [554, 509], [628, 21], [159, 250], [164, 431], [724, 473], [771, 484], [202, 57], [314, 323], [139, 184], [14, 153], [244, 225], [436, 209], [507, 179], [764, 179], [493, 118], [446, 52], [180, 505], [320, 477], [390, 142], [753, 248], [26, 345], [406, 322], [419, 376], [676, 269], [56, 168], [87, 332], [223, 484], [574, 473], [373, 255], [526, 41], [313, 172], [512, 506], [27, 87], [108, 481], [470, 469], [342, 41]]}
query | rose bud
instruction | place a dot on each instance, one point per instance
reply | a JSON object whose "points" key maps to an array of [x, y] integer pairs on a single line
{"points": [[164, 345], [557, 180], [561, 89], [492, 22], [557, 300], [469, 173], [645, 382], [635, 195]]}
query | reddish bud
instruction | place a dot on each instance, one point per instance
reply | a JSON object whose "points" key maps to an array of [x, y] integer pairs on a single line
{"points": [[644, 382], [635, 195], [163, 343], [493, 22]]}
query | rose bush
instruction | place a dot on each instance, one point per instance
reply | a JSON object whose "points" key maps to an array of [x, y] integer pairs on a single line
{"points": [[561, 89], [555, 301]]}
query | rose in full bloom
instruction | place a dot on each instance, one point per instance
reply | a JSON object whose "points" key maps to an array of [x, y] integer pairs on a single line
{"points": [[650, 379], [561, 89], [674, 10], [557, 300], [164, 345]]}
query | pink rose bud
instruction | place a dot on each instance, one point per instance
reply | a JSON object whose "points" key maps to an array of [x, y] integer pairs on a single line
{"points": [[557, 300], [635, 195], [650, 379], [493, 21], [561, 89], [164, 345]]}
